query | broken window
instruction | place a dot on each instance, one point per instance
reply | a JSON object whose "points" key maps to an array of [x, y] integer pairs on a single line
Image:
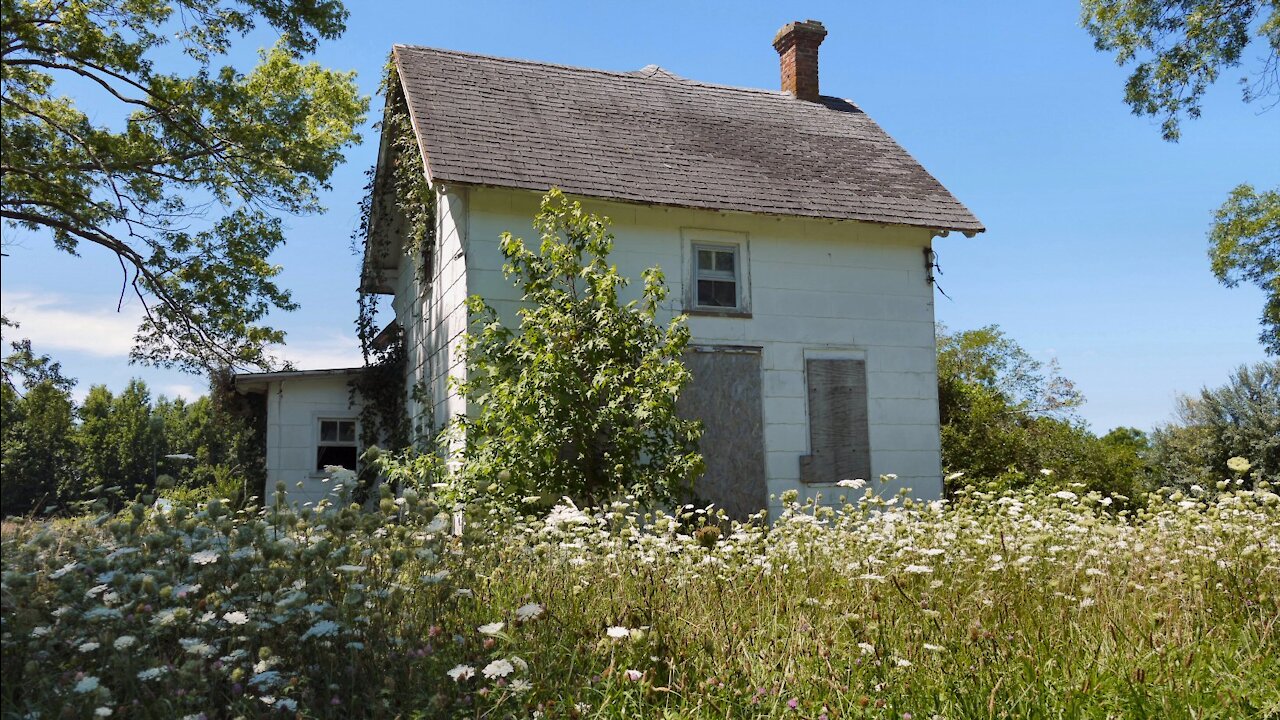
{"points": [[839, 444], [337, 444]]}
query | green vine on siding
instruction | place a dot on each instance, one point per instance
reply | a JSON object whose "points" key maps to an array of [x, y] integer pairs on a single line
{"points": [[397, 217]]}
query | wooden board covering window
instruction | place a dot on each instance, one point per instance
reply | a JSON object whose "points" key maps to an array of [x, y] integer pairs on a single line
{"points": [[839, 442], [725, 395]]}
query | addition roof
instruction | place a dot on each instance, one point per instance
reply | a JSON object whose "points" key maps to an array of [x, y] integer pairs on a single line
{"points": [[650, 136]]}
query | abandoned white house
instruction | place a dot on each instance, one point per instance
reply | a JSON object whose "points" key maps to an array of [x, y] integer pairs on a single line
{"points": [[793, 231]]}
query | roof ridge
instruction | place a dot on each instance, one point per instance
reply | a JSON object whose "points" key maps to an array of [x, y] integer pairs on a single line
{"points": [[632, 74]]}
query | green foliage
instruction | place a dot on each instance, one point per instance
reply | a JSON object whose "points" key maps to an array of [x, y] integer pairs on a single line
{"points": [[187, 142], [1181, 47], [36, 450], [1244, 245], [1238, 419], [1006, 418], [119, 445], [582, 400], [1018, 605], [36, 427], [397, 218]]}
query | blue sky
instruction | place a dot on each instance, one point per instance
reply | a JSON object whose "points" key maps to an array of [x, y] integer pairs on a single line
{"points": [[1095, 249]]}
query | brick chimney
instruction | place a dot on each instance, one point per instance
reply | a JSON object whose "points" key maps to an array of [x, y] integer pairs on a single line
{"points": [[797, 45]]}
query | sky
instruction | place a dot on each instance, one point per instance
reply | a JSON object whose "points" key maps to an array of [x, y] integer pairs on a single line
{"points": [[1095, 250]]}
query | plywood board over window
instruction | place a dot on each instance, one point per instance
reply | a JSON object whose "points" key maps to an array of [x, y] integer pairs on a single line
{"points": [[725, 394], [839, 440]]}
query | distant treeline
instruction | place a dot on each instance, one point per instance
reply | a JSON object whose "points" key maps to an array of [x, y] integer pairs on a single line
{"points": [[56, 454]]}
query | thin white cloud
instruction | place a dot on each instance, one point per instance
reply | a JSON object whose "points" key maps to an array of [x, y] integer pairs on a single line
{"points": [[335, 350], [55, 322], [180, 390], [58, 323]]}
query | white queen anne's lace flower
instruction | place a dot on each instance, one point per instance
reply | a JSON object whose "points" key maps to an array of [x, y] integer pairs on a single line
{"points": [[492, 628], [498, 669], [532, 611], [236, 617], [617, 632], [87, 684], [205, 557], [462, 672]]}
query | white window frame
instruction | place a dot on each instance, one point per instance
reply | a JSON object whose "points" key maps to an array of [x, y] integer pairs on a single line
{"points": [[721, 241], [316, 426]]}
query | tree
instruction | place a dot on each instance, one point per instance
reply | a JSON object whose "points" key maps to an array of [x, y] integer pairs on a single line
{"points": [[1244, 244], [209, 137], [581, 401], [1238, 419], [36, 457], [1005, 417], [1180, 48]]}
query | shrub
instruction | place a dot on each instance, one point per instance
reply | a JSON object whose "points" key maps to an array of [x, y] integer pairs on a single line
{"points": [[580, 399]]}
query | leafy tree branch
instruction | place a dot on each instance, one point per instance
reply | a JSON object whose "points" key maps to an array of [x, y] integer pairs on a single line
{"points": [[185, 189]]}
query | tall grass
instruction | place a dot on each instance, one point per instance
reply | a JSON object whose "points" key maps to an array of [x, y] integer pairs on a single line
{"points": [[1009, 605]]}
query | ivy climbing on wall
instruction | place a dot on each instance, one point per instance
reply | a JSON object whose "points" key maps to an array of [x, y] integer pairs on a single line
{"points": [[397, 219]]}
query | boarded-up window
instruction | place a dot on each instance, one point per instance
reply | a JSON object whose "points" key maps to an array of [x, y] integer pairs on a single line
{"points": [[725, 395], [838, 435]]}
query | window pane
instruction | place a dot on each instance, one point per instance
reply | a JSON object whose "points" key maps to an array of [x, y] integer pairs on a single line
{"points": [[724, 261], [328, 431], [706, 260], [335, 455], [347, 431], [717, 293]]}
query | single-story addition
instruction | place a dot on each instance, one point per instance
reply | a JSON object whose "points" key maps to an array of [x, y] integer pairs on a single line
{"points": [[794, 232]]}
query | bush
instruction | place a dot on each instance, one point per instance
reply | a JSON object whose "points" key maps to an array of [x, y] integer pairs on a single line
{"points": [[1238, 419], [581, 400]]}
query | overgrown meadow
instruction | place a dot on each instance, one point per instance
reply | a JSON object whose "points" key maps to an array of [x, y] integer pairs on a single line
{"points": [[1019, 604]]}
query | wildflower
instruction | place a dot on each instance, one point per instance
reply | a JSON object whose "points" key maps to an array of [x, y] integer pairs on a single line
{"points": [[103, 711], [286, 704], [492, 628], [867, 648], [520, 685], [955, 476], [236, 617], [39, 631], [918, 569], [205, 557], [871, 577], [633, 675], [63, 570], [462, 672], [902, 662], [351, 568], [323, 628], [265, 679], [854, 484], [152, 673], [88, 647], [1238, 464], [532, 611], [435, 578], [933, 648], [87, 684], [793, 703], [617, 632], [1087, 602], [195, 646], [498, 669], [1046, 472], [1065, 495]]}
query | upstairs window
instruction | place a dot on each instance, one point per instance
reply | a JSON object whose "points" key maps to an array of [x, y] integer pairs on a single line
{"points": [[717, 272], [337, 444]]}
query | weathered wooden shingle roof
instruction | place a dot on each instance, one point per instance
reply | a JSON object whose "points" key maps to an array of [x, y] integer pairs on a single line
{"points": [[653, 137]]}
